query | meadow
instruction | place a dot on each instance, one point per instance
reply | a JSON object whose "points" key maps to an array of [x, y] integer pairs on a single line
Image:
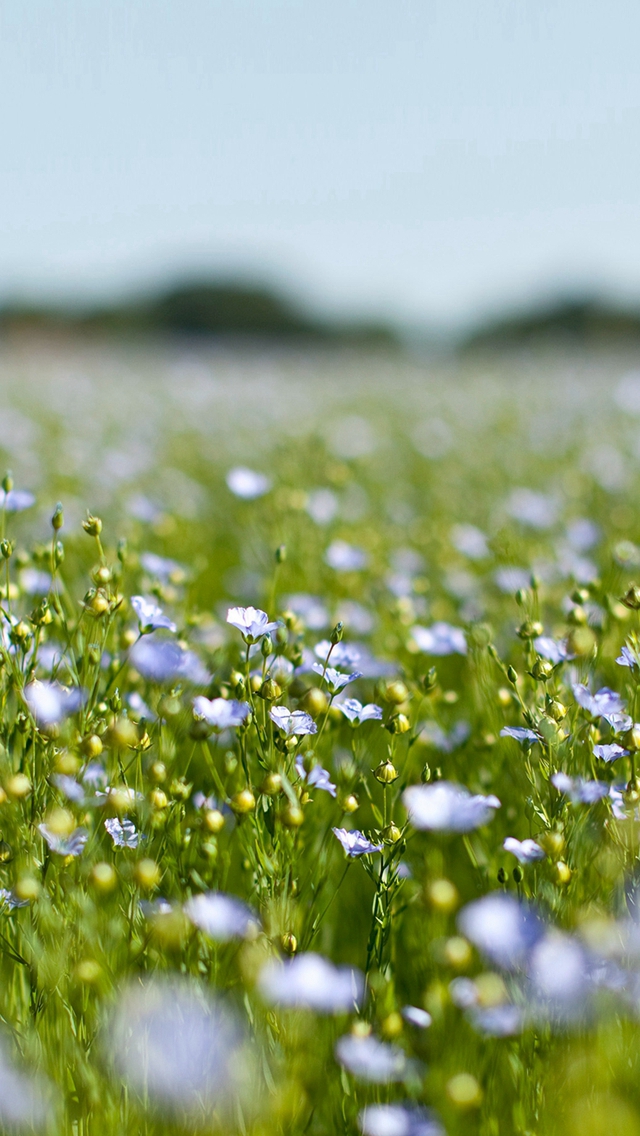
{"points": [[319, 796]]}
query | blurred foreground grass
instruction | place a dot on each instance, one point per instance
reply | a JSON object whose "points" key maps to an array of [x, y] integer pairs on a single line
{"points": [[429, 511]]}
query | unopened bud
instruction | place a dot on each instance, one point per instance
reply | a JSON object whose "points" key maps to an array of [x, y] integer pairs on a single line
{"points": [[517, 875], [396, 692], [632, 738], [502, 876], [386, 773], [214, 820], [350, 803], [542, 669], [292, 816], [391, 834], [92, 525], [271, 784], [281, 554], [58, 553], [103, 877], [148, 874], [631, 598], [6, 548], [289, 943], [315, 702], [556, 710], [270, 690], [57, 519], [430, 680], [399, 724], [512, 675], [530, 629], [7, 481], [336, 634], [243, 802], [91, 746], [563, 872]]}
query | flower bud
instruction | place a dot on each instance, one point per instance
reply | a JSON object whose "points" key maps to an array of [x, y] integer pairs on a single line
{"points": [[502, 876], [443, 895], [28, 887], [57, 519], [61, 822], [632, 738], [7, 481], [103, 877], [542, 669], [386, 773], [289, 943], [214, 821], [123, 734], [18, 786], [530, 629], [158, 799], [430, 680], [91, 746], [563, 872], [464, 1091], [399, 724], [272, 784], [552, 842], [392, 1026], [631, 598], [280, 554], [391, 834], [517, 875], [512, 675], [577, 616], [92, 525], [396, 692], [315, 702], [6, 548], [556, 710], [243, 802], [58, 553], [147, 874], [88, 972], [457, 952], [581, 641], [270, 690], [350, 803], [292, 816], [336, 634]]}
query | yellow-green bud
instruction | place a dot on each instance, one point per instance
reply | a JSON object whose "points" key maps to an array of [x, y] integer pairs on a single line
{"points": [[272, 784], [92, 525], [336, 634], [57, 519], [214, 820], [350, 803], [396, 692], [103, 877], [292, 816], [243, 802], [289, 943], [270, 690], [399, 724], [7, 481], [386, 773], [391, 834], [148, 874], [530, 629], [631, 598]]}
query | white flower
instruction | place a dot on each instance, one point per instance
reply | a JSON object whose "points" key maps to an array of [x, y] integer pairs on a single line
{"points": [[164, 660], [501, 927], [520, 733], [150, 615], [297, 722], [50, 703], [343, 557], [470, 541], [247, 483], [317, 778], [65, 845], [123, 832], [335, 679], [221, 713], [173, 1042], [526, 851], [356, 712], [399, 1120], [16, 500], [311, 982], [162, 567], [370, 1059], [555, 650], [342, 654], [416, 1016], [221, 917], [445, 807], [251, 621], [440, 639], [355, 843]]}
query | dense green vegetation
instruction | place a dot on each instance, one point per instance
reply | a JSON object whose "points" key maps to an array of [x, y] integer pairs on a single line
{"points": [[319, 808]]}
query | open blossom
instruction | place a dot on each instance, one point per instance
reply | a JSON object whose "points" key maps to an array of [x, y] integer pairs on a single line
{"points": [[355, 843], [356, 712], [580, 791], [123, 832], [247, 484], [343, 557], [605, 703], [370, 1059], [399, 1120], [162, 567], [292, 722], [470, 541], [445, 807], [610, 752], [416, 1016], [317, 778], [335, 679], [628, 657], [71, 845], [16, 500], [221, 917], [440, 639], [50, 703], [342, 654], [555, 650], [526, 851], [520, 733], [221, 713], [502, 927], [150, 615], [164, 660], [311, 982], [251, 621]]}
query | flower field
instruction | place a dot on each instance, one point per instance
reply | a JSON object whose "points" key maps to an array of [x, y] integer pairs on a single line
{"points": [[319, 744]]}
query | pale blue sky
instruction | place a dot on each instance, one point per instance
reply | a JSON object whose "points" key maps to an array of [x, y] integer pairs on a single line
{"points": [[432, 158]]}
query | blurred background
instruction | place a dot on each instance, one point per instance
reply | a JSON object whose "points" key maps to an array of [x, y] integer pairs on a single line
{"points": [[416, 173]]}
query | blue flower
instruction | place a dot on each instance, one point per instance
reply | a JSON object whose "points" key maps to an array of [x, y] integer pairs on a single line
{"points": [[578, 790], [610, 752], [445, 807], [356, 712], [317, 778], [355, 843], [65, 845], [343, 557], [221, 713], [336, 680], [247, 483], [440, 639], [556, 651], [123, 833], [526, 851], [296, 722], [251, 621], [150, 615], [520, 733]]}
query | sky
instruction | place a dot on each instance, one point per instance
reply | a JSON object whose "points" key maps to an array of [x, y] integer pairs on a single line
{"points": [[436, 161]]}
